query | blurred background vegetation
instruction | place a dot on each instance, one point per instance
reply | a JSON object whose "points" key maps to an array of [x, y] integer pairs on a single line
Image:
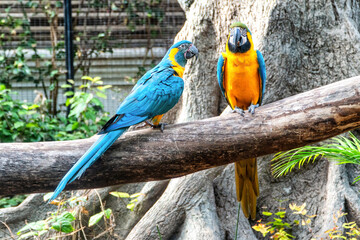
{"points": [[115, 40]]}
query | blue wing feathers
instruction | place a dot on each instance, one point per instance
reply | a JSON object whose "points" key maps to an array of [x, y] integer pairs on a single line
{"points": [[105, 143], [262, 72], [125, 121], [220, 73], [92, 154]]}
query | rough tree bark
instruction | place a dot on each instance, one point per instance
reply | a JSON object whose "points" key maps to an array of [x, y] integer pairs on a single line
{"points": [[148, 155], [318, 40], [305, 44]]}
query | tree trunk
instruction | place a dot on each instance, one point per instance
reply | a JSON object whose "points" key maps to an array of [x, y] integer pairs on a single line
{"points": [[306, 44]]}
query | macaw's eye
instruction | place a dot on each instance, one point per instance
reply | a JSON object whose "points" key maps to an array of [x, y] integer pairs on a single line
{"points": [[243, 32], [183, 46]]}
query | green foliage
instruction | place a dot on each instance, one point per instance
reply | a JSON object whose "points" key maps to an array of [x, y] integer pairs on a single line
{"points": [[133, 198], [62, 220], [348, 230], [60, 223], [276, 225], [20, 120], [278, 228], [16, 39], [97, 217], [341, 149], [13, 64], [29, 122], [13, 201]]}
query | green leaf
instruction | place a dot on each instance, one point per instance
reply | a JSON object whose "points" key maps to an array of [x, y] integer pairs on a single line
{"points": [[75, 125], [53, 73], [69, 127], [266, 213], [102, 88], [94, 219], [63, 226], [78, 109], [134, 200], [262, 228], [87, 78], [58, 4], [280, 214], [19, 125], [120, 194], [32, 125], [97, 102], [37, 226], [63, 223], [96, 79], [101, 95], [349, 225], [66, 86], [33, 106], [69, 93], [136, 195], [107, 213], [131, 206], [52, 87], [67, 216]]}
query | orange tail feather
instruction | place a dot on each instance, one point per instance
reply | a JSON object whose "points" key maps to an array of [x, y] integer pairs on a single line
{"points": [[247, 185]]}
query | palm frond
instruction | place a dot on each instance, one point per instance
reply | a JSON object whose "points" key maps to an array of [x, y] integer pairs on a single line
{"points": [[341, 149]]}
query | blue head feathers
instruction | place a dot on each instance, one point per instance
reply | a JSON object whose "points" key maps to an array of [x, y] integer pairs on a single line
{"points": [[180, 52]]}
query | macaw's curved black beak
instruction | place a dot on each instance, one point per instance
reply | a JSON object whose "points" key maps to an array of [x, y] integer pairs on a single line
{"points": [[236, 40], [191, 52]]}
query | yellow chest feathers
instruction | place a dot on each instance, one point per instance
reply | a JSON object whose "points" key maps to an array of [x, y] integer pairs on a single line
{"points": [[245, 63]]}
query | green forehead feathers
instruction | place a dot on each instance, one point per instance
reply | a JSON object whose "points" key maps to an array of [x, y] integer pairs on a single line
{"points": [[239, 24]]}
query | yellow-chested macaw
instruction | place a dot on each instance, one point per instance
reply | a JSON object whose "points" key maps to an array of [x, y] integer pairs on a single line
{"points": [[242, 76], [152, 96]]}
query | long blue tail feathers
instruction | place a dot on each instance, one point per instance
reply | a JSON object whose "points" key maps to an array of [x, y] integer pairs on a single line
{"points": [[92, 154]]}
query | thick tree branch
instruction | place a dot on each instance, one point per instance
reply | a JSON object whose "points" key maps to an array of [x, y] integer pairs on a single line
{"points": [[147, 155]]}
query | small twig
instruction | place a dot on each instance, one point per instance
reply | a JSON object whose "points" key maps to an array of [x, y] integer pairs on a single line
{"points": [[8, 228], [102, 209], [81, 226], [104, 232], [66, 235]]}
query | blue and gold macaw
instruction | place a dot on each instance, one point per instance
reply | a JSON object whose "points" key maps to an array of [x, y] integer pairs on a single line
{"points": [[242, 76], [153, 95]]}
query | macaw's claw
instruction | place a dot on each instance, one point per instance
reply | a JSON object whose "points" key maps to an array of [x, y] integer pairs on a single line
{"points": [[160, 125], [239, 111], [252, 108]]}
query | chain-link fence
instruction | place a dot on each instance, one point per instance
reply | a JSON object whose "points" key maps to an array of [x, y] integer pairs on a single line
{"points": [[116, 40]]}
